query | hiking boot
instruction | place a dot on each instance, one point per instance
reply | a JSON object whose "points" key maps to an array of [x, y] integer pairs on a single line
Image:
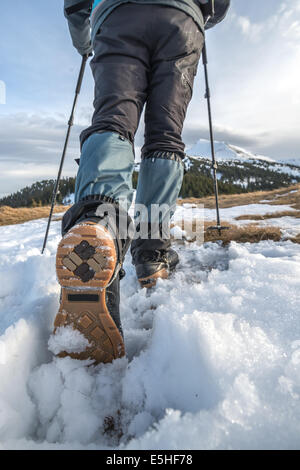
{"points": [[152, 265], [86, 264], [113, 300]]}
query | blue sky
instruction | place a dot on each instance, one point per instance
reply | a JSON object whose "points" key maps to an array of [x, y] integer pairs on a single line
{"points": [[253, 66]]}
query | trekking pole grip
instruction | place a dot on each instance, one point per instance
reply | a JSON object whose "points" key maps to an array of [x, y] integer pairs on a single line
{"points": [[81, 73], [204, 54], [78, 86]]}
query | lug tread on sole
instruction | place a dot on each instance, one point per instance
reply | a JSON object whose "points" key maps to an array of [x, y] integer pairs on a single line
{"points": [[92, 319]]}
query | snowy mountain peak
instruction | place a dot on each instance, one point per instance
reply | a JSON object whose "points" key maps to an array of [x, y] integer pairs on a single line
{"points": [[224, 151]]}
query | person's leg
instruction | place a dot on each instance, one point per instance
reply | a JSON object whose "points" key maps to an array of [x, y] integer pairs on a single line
{"points": [[120, 68], [90, 254], [174, 64]]}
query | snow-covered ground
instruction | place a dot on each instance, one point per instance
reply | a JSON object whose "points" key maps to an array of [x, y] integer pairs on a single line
{"points": [[290, 226], [213, 354], [189, 211]]}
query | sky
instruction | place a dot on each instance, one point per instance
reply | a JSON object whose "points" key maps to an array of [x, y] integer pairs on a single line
{"points": [[254, 72]]}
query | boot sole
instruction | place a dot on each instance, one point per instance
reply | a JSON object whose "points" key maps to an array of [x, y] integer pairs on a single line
{"points": [[85, 263]]}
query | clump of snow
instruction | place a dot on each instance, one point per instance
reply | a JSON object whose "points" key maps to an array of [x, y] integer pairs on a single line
{"points": [[213, 353], [177, 233], [67, 339], [69, 199]]}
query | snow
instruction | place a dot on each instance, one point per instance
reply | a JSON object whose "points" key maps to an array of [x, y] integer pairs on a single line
{"points": [[213, 354], [186, 213], [290, 226], [231, 153], [281, 168], [177, 233], [67, 339], [69, 199], [230, 213], [223, 151], [192, 211]]}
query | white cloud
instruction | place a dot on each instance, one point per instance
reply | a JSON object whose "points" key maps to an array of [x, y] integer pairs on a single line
{"points": [[31, 147], [285, 22], [244, 23], [251, 30]]}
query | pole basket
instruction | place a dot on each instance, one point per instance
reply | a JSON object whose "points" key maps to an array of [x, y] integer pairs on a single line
{"points": [[219, 228]]}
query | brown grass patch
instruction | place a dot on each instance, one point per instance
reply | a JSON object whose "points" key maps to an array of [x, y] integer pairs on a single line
{"points": [[252, 233], [275, 197], [295, 239], [12, 216], [274, 215], [246, 234]]}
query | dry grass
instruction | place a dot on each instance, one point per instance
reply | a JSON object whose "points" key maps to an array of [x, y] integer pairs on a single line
{"points": [[296, 239], [286, 197], [275, 197], [278, 197], [274, 215], [241, 234], [12, 216]]}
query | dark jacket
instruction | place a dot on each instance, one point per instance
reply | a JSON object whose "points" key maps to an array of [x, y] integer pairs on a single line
{"points": [[85, 17]]}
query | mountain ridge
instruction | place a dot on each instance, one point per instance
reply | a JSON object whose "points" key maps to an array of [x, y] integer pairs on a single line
{"points": [[227, 151]]}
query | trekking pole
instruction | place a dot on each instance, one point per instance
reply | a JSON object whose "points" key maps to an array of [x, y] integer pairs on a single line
{"points": [[70, 124], [212, 145]]}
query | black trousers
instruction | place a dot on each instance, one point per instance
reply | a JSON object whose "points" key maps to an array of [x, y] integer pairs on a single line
{"points": [[145, 54]]}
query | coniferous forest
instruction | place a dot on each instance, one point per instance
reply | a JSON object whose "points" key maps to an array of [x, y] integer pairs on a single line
{"points": [[39, 194], [233, 177]]}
